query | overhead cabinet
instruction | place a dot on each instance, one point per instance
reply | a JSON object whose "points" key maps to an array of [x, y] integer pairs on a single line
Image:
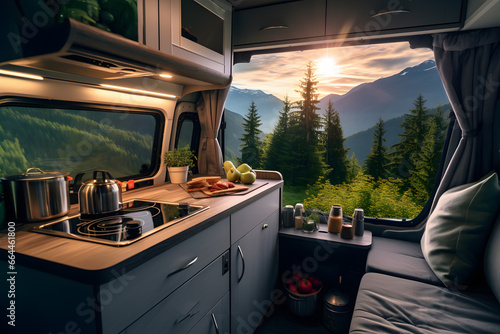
{"points": [[305, 22], [344, 18], [282, 22], [198, 31]]}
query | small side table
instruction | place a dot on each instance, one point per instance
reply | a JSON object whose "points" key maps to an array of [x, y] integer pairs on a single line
{"points": [[325, 255]]}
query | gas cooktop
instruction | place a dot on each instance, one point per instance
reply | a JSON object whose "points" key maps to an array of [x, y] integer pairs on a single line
{"points": [[135, 221]]}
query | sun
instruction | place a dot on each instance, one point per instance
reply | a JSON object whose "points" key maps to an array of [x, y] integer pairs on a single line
{"points": [[327, 67]]}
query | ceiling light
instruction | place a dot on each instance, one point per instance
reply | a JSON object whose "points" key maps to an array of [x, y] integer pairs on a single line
{"points": [[167, 76], [140, 91], [21, 75]]}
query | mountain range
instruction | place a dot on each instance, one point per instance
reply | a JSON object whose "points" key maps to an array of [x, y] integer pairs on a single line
{"points": [[359, 109]]}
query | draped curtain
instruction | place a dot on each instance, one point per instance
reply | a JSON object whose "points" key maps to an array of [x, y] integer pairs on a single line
{"points": [[469, 65], [210, 108]]}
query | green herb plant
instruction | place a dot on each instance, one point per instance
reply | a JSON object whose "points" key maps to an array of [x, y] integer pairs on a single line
{"points": [[179, 157]]}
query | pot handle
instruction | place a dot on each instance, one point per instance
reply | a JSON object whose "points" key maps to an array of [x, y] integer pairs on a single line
{"points": [[30, 170], [106, 175]]}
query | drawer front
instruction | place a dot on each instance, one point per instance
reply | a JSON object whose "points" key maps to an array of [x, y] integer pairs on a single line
{"points": [[151, 282], [247, 218], [217, 316], [373, 17], [184, 308], [299, 19]]}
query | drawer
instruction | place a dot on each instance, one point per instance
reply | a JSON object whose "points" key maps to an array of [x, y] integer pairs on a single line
{"points": [[220, 313], [292, 20], [184, 308], [151, 282], [244, 220], [344, 17]]}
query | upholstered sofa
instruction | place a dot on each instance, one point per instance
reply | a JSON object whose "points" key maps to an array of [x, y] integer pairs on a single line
{"points": [[447, 283]]}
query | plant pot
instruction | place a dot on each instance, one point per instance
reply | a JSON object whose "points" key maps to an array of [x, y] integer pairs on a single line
{"points": [[178, 174]]}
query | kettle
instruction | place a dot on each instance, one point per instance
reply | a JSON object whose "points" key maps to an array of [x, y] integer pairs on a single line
{"points": [[101, 195]]}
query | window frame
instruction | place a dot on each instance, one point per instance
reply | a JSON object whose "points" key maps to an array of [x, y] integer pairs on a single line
{"points": [[195, 137], [158, 115]]}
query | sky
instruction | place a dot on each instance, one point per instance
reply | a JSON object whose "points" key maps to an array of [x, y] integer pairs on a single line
{"points": [[337, 69]]}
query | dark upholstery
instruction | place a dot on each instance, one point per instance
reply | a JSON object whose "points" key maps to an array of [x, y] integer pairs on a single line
{"points": [[387, 304], [401, 259]]}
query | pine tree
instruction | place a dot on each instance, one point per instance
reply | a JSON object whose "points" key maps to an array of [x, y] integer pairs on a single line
{"points": [[423, 178], [251, 149], [335, 154], [305, 149], [407, 150], [377, 160], [307, 105], [353, 168], [276, 156]]}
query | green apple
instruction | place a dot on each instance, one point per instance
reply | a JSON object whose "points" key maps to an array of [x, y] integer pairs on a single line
{"points": [[227, 166], [248, 177], [233, 175], [243, 168]]}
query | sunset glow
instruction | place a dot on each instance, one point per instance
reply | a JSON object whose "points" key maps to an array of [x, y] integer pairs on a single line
{"points": [[338, 70]]}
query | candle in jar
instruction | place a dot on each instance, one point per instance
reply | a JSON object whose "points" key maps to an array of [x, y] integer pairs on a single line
{"points": [[308, 226]]}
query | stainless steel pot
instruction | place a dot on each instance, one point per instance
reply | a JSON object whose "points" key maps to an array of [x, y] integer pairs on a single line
{"points": [[100, 195], [36, 195]]}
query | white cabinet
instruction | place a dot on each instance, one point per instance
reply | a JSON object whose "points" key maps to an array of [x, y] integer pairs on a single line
{"points": [[198, 31], [254, 265], [374, 17]]}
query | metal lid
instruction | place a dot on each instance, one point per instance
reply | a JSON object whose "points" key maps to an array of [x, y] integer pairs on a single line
{"points": [[336, 300], [35, 174]]}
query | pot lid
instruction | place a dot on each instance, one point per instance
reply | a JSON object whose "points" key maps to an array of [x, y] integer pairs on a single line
{"points": [[35, 174], [336, 299]]}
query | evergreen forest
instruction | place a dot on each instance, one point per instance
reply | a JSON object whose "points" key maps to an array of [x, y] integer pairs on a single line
{"points": [[308, 150]]}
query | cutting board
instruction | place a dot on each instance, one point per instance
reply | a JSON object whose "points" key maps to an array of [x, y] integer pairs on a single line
{"points": [[237, 188]]}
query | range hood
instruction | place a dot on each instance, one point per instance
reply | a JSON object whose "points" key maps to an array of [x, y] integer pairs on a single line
{"points": [[75, 48]]}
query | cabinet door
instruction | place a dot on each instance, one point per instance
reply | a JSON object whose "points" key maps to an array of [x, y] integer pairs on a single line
{"points": [[374, 17], [287, 21], [179, 312], [254, 270], [216, 321]]}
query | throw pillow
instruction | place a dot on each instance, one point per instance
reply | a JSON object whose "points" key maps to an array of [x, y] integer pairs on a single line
{"points": [[458, 228]]}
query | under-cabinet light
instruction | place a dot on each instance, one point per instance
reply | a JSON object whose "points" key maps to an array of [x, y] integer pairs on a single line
{"points": [[140, 91], [21, 75], [166, 76]]}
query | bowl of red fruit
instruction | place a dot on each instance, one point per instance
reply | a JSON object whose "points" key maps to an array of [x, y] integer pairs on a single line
{"points": [[302, 293]]}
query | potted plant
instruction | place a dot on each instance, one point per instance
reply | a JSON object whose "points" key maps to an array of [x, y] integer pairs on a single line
{"points": [[178, 162]]}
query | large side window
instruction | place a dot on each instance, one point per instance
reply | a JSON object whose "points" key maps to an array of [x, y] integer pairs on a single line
{"points": [[359, 126], [76, 137]]}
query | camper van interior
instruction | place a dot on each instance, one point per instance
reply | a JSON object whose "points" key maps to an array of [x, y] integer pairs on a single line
{"points": [[152, 183]]}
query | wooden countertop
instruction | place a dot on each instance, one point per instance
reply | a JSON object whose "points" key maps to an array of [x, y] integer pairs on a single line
{"points": [[95, 263]]}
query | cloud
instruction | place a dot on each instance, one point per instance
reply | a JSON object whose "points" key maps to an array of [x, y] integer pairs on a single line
{"points": [[280, 74]]}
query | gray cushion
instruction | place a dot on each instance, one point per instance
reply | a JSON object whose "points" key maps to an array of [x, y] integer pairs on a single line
{"points": [[456, 233], [387, 304], [492, 260], [399, 258]]}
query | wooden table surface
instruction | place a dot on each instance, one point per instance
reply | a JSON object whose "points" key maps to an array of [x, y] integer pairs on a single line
{"points": [[92, 262]]}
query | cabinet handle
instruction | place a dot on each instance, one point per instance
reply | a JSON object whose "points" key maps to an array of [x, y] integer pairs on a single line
{"points": [[215, 324], [278, 26], [183, 268], [389, 12], [190, 314], [265, 226], [242, 261]]}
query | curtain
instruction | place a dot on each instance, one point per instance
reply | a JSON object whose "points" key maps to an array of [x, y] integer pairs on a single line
{"points": [[210, 108], [469, 65]]}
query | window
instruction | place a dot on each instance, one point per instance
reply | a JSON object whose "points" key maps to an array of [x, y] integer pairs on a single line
{"points": [[359, 126], [188, 134], [76, 137]]}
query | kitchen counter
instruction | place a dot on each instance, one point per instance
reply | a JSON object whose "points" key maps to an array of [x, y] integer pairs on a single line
{"points": [[95, 263]]}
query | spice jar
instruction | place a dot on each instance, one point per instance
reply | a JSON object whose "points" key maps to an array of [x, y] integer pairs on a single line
{"points": [[299, 215], [335, 219]]}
